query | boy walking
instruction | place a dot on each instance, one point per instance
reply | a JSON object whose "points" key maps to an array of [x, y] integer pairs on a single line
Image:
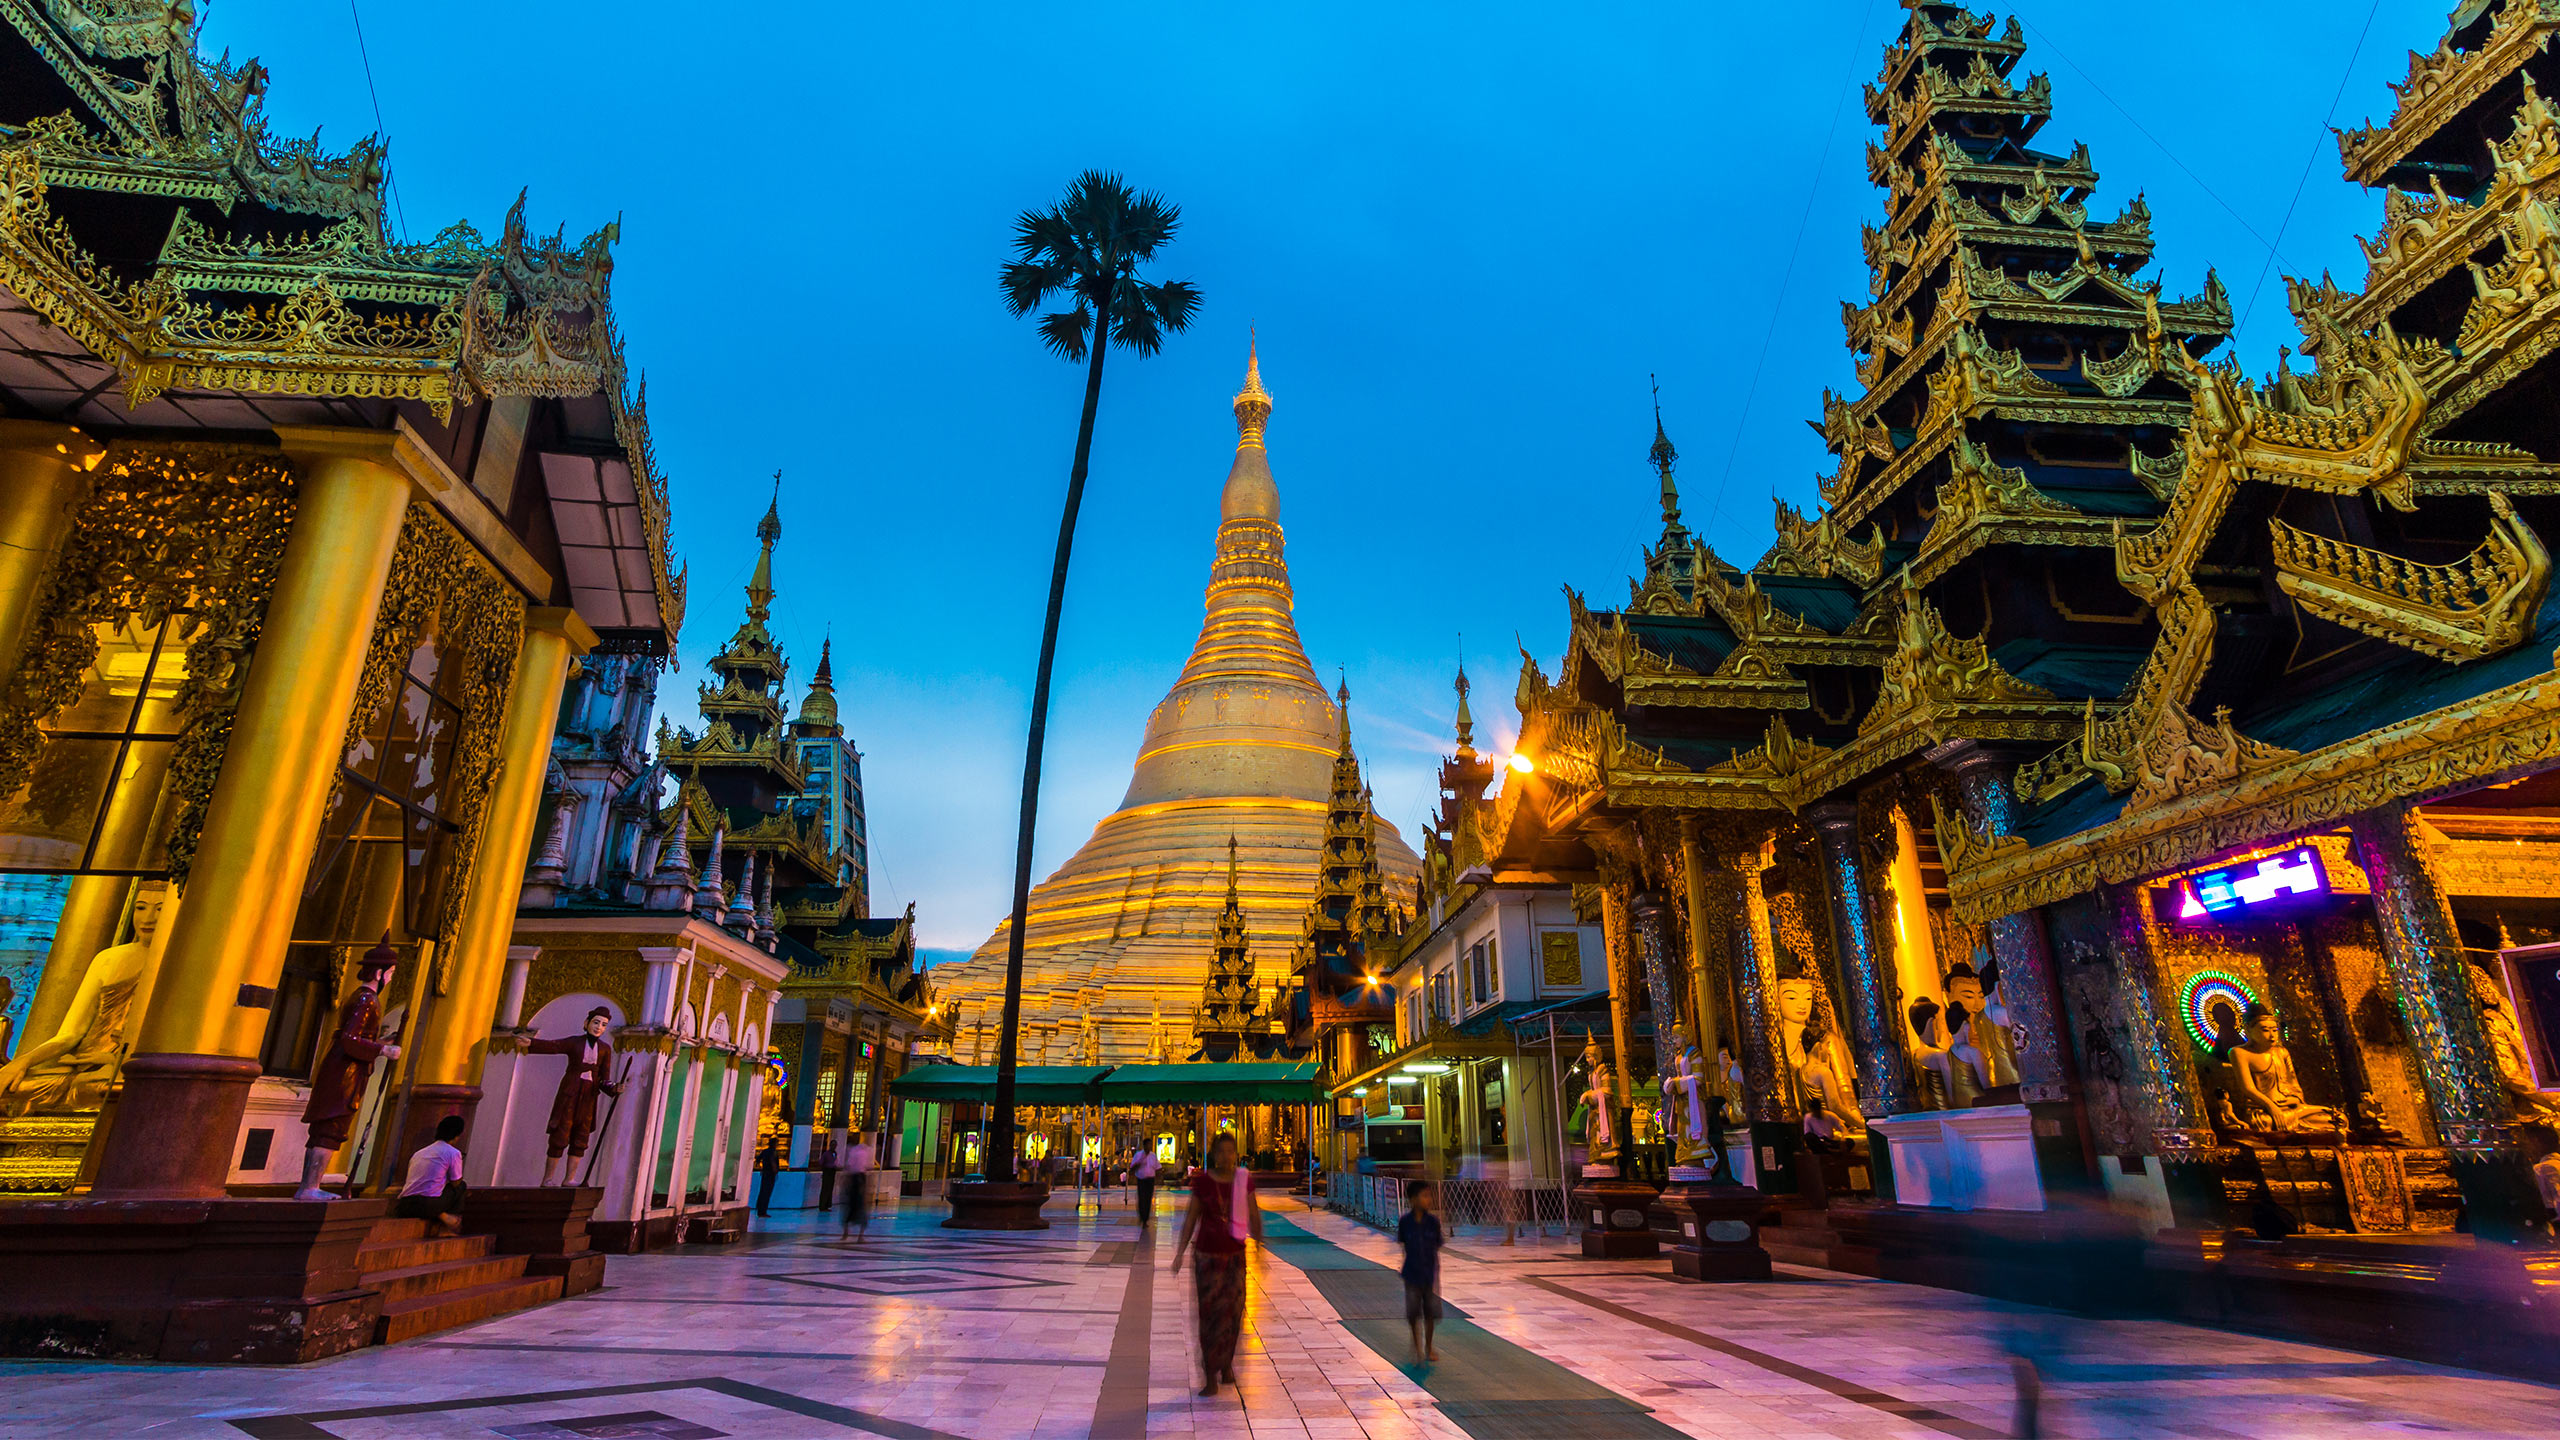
{"points": [[1419, 1233]]}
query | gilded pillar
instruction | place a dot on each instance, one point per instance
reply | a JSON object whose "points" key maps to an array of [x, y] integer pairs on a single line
{"points": [[2432, 979], [1755, 980], [1622, 999], [1653, 958], [2028, 986], [44, 475], [194, 1056], [455, 1041], [1884, 1081], [1706, 918], [2162, 1064]]}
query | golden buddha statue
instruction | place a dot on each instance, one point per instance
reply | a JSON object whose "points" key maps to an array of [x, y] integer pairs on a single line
{"points": [[1824, 1075], [2533, 1105], [2264, 1087], [71, 1070]]}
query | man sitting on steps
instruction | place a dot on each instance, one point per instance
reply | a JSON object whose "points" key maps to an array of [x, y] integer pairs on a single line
{"points": [[435, 1189]]}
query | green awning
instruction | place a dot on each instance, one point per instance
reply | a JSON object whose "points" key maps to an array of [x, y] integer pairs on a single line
{"points": [[1244, 1082], [1032, 1084]]}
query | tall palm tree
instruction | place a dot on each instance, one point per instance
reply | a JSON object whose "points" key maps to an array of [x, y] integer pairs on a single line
{"points": [[1085, 249]]}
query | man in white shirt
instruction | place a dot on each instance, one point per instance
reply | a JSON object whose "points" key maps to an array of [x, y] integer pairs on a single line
{"points": [[1144, 1172], [435, 1190]]}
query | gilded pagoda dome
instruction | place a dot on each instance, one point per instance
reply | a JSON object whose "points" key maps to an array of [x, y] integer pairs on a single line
{"points": [[1242, 745]]}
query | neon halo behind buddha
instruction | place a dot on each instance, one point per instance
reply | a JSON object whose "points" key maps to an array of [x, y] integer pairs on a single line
{"points": [[1243, 745]]}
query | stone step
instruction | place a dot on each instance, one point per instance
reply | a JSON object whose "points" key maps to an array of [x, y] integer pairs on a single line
{"points": [[405, 1254], [444, 1276], [1817, 1246], [426, 1314], [393, 1230]]}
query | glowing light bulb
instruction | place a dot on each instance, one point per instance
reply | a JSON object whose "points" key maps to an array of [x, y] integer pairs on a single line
{"points": [[1524, 764]]}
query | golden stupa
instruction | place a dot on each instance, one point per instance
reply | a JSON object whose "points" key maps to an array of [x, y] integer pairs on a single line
{"points": [[1242, 747]]}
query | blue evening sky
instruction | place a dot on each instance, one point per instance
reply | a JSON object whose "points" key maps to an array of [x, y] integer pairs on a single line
{"points": [[1466, 233]]}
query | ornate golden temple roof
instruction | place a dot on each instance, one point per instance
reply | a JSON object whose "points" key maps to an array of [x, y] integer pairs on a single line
{"points": [[1243, 744]]}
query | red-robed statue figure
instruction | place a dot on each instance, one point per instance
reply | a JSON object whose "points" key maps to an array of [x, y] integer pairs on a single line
{"points": [[337, 1086], [573, 1106]]}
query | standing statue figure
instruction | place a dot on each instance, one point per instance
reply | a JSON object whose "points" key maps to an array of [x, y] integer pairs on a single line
{"points": [[1601, 1098], [1692, 1084], [337, 1086], [573, 1105], [1818, 1061], [72, 1069], [2261, 1080]]}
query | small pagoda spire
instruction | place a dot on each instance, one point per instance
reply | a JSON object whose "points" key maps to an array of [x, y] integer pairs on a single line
{"points": [[1665, 456], [1466, 718], [767, 921], [710, 896], [768, 531], [742, 905], [818, 708], [671, 883]]}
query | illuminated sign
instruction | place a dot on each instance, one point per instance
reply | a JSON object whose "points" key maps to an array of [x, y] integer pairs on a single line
{"points": [[2250, 885]]}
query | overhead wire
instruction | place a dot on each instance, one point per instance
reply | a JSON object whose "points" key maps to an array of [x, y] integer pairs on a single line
{"points": [[2046, 41], [2311, 159], [379, 128], [1777, 307]]}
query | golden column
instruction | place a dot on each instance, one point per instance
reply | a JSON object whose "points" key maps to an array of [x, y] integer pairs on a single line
{"points": [[1755, 980], [454, 1043], [194, 1057], [1622, 996], [1704, 917], [44, 475]]}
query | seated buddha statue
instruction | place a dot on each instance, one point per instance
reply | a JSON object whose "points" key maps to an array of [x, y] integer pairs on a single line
{"points": [[2264, 1088], [72, 1069], [2533, 1105]]}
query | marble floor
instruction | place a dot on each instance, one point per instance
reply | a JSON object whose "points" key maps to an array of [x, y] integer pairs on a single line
{"points": [[920, 1332]]}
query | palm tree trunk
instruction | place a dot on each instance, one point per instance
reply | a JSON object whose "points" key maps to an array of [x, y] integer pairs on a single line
{"points": [[1000, 1131]]}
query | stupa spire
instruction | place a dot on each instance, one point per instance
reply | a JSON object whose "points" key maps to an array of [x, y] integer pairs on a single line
{"points": [[1250, 492], [1247, 690]]}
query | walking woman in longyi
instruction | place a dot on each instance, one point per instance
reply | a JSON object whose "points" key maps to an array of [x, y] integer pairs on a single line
{"points": [[1222, 1218]]}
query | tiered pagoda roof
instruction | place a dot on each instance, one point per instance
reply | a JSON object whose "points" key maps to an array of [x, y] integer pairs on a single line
{"points": [[2355, 602], [1351, 913], [765, 851], [2019, 403], [1231, 1021]]}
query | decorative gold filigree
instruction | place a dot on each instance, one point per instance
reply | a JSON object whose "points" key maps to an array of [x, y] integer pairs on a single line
{"points": [[2442, 83], [2480, 605], [2178, 755], [165, 528], [440, 583], [2347, 429], [1931, 671]]}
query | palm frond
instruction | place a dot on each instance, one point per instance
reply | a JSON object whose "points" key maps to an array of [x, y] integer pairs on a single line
{"points": [[1087, 247], [1027, 284], [1063, 331]]}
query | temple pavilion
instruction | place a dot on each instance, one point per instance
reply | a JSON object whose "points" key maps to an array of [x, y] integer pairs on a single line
{"points": [[306, 526], [2129, 795]]}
